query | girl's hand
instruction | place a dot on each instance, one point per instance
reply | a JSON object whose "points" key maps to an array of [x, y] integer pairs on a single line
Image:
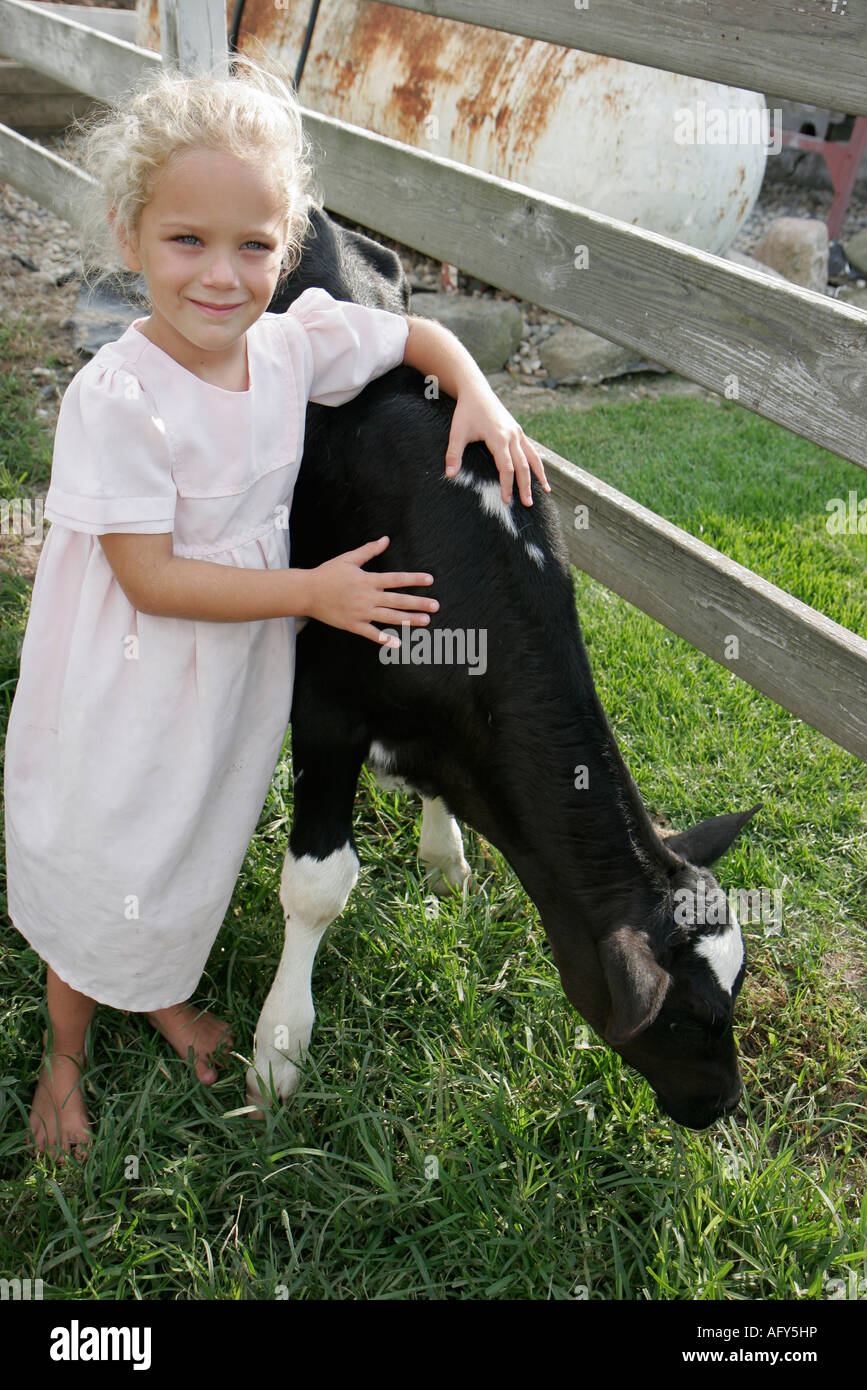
{"points": [[346, 596], [480, 415]]}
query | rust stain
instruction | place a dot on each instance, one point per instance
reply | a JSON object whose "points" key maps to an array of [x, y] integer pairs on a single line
{"points": [[412, 101], [415, 44], [512, 89], [507, 89], [265, 30], [502, 118], [342, 75], [148, 26], [260, 19], [541, 95]]}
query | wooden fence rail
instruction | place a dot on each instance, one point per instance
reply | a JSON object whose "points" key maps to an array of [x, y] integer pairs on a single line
{"points": [[812, 666], [797, 357], [814, 52], [97, 63]]}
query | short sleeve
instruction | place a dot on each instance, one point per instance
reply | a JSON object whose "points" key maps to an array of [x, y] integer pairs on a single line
{"points": [[111, 469], [350, 344]]}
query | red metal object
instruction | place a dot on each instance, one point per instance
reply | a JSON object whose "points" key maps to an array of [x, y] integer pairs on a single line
{"points": [[843, 158]]}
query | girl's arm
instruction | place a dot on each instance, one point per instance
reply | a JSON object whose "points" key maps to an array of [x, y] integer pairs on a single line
{"points": [[434, 351], [339, 592]]}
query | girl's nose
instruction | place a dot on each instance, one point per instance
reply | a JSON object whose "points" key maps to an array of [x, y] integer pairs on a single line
{"points": [[220, 271]]}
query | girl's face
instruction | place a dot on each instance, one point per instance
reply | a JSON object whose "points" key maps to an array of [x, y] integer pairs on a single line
{"points": [[209, 244]]}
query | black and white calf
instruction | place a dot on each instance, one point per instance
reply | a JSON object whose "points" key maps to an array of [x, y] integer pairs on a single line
{"points": [[496, 744]]}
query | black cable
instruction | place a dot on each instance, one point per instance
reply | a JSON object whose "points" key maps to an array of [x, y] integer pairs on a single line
{"points": [[314, 10], [235, 25], [235, 29]]}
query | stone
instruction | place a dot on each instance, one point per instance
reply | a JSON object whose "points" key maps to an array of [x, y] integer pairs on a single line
{"points": [[798, 248], [9, 264], [856, 295], [64, 273], [573, 354], [856, 249], [499, 381], [490, 329], [740, 258], [103, 315]]}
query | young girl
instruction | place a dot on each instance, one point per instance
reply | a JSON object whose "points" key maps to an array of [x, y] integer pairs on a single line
{"points": [[156, 671]]}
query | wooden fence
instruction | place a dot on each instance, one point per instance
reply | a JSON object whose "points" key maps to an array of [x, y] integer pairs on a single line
{"points": [[799, 358], [34, 103]]}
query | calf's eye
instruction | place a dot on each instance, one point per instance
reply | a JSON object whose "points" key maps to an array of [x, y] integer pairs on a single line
{"points": [[689, 1029]]}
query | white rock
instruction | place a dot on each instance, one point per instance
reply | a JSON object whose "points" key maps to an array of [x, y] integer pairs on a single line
{"points": [[798, 248]]}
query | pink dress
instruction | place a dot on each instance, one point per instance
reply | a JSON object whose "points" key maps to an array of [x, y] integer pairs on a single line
{"points": [[140, 749]]}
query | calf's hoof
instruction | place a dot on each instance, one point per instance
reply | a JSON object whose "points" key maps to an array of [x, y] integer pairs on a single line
{"points": [[278, 1076], [447, 878], [445, 887]]}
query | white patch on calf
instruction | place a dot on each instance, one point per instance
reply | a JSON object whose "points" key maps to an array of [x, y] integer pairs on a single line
{"points": [[313, 892], [380, 761], [492, 503], [491, 500], [724, 953], [380, 757], [441, 847]]}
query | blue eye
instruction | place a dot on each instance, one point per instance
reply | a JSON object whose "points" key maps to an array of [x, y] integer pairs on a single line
{"points": [[188, 237]]}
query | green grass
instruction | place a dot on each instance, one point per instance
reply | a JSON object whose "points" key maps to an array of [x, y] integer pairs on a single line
{"points": [[458, 1133], [25, 449], [738, 482]]}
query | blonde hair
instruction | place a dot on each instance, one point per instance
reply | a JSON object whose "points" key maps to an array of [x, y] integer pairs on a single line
{"points": [[253, 115]]}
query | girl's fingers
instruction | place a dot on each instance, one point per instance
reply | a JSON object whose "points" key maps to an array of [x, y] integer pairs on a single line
{"points": [[404, 581], [506, 469], [526, 462], [382, 639], [516, 464], [455, 450], [389, 617], [365, 552], [536, 464], [522, 474], [412, 601], [394, 617]]}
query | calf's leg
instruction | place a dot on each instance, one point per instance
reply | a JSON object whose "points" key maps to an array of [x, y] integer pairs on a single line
{"points": [[441, 847], [319, 872]]}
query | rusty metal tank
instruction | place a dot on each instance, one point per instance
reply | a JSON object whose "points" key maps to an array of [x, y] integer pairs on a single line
{"points": [[674, 154]]}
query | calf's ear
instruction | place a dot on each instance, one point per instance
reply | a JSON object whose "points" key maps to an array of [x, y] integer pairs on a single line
{"points": [[704, 843], [636, 983]]}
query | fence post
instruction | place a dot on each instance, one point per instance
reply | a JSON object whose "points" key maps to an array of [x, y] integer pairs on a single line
{"points": [[193, 37]]}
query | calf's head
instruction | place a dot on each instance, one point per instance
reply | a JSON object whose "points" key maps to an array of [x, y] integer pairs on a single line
{"points": [[672, 986]]}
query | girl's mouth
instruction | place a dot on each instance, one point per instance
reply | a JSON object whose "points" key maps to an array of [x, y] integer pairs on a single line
{"points": [[217, 311]]}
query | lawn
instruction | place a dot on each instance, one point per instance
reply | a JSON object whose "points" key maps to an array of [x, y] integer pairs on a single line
{"points": [[458, 1132]]}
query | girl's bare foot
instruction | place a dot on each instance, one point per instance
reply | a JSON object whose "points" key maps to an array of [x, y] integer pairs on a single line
{"points": [[185, 1027], [58, 1120]]}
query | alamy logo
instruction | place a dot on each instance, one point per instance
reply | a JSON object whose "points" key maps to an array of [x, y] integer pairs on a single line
{"points": [[23, 516], [733, 125], [848, 515], [713, 908], [442, 647], [77, 1343], [17, 1289]]}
